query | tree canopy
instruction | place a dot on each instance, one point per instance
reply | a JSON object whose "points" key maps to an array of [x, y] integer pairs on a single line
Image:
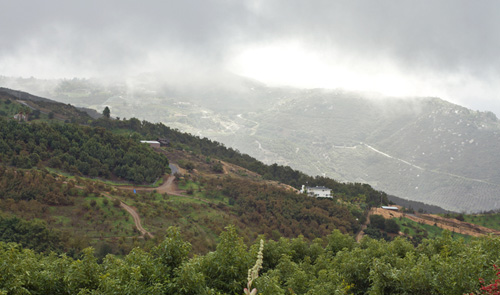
{"points": [[90, 151], [335, 265]]}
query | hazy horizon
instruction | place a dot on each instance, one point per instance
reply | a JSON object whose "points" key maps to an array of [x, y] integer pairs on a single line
{"points": [[445, 49]]}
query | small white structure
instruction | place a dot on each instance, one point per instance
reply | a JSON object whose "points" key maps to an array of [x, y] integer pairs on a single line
{"points": [[152, 143], [317, 191], [390, 208], [21, 117]]}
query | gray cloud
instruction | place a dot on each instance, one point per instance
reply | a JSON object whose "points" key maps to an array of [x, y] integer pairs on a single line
{"points": [[434, 42]]}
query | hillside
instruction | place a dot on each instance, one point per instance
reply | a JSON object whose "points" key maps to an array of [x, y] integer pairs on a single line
{"points": [[221, 204], [422, 149], [241, 189], [85, 182], [426, 150]]}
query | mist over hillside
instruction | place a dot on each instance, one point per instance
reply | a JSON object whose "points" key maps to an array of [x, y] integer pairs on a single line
{"points": [[423, 149]]}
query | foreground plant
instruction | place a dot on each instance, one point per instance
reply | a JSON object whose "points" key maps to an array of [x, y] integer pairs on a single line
{"points": [[493, 287], [253, 273]]}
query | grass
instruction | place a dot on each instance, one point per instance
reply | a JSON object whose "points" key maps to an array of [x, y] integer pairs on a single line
{"points": [[185, 185], [487, 220], [184, 200], [199, 222], [428, 231]]}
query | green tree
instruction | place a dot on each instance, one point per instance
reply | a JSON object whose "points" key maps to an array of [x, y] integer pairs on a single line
{"points": [[377, 221], [391, 226], [226, 269], [172, 252], [106, 112]]}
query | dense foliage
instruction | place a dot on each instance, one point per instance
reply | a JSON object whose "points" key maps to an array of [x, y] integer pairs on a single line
{"points": [[335, 265], [78, 149], [207, 147], [30, 234], [279, 212], [34, 185]]}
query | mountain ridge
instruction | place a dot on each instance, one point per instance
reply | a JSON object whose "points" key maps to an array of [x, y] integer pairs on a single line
{"points": [[330, 132]]}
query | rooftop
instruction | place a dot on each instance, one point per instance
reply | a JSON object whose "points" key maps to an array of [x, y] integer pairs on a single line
{"points": [[317, 187]]}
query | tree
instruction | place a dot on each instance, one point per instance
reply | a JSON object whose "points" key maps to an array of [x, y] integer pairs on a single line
{"points": [[391, 226], [377, 221], [226, 269], [106, 113]]}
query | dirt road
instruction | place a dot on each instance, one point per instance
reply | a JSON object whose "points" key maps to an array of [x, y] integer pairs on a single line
{"points": [[135, 216], [168, 186], [450, 224], [137, 219]]}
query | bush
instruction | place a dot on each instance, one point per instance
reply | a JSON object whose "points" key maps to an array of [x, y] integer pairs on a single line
{"points": [[391, 226], [377, 221], [189, 166], [217, 168]]}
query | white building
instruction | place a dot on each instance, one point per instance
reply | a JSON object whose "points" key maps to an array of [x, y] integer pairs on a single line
{"points": [[390, 208], [317, 191], [152, 143]]}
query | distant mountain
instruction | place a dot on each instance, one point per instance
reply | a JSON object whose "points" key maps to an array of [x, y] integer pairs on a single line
{"points": [[422, 149]]}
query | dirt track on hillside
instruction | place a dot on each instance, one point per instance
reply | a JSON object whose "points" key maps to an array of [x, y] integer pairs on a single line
{"points": [[168, 186], [135, 216], [450, 224]]}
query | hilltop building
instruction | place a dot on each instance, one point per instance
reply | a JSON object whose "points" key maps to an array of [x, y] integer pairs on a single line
{"points": [[317, 191], [164, 141], [152, 143], [392, 208]]}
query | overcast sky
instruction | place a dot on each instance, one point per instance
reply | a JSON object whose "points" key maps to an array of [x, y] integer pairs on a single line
{"points": [[449, 49]]}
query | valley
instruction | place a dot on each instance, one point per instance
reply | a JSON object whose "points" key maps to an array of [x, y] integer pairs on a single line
{"points": [[181, 217], [421, 149]]}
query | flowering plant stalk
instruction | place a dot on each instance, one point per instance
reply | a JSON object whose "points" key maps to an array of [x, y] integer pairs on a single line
{"points": [[253, 273]]}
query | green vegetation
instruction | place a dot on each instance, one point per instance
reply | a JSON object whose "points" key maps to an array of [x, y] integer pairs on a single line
{"points": [[490, 220], [106, 112], [74, 209], [333, 265], [381, 228], [94, 152], [8, 108], [309, 247], [33, 234], [209, 148], [417, 232]]}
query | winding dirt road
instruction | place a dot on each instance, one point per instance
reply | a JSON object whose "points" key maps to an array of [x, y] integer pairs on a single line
{"points": [[168, 186], [137, 219], [135, 216]]}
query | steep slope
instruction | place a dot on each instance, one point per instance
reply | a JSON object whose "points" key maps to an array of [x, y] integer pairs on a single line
{"points": [[425, 150], [61, 172], [422, 149]]}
